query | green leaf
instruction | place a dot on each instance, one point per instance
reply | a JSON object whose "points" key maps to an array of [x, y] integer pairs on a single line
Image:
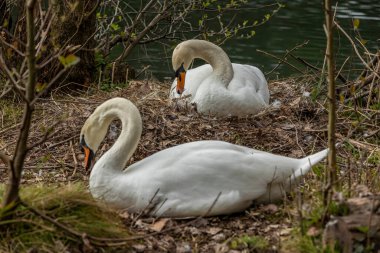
{"points": [[73, 5], [5, 23], [356, 23], [115, 26], [69, 60], [245, 22], [363, 41], [206, 4], [363, 229], [40, 87]]}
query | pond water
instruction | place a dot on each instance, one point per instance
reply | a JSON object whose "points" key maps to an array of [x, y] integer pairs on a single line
{"points": [[297, 22]]}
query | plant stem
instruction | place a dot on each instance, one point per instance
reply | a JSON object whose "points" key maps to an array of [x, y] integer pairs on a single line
{"points": [[331, 171], [331, 93], [11, 195]]}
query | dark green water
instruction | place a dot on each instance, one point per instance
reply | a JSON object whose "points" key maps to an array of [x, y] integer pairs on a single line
{"points": [[299, 21]]}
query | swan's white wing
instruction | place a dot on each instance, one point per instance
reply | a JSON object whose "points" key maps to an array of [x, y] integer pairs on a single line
{"points": [[247, 92], [190, 177], [249, 81]]}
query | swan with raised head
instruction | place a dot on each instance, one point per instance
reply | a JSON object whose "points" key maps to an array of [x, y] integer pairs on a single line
{"points": [[220, 88], [185, 180]]}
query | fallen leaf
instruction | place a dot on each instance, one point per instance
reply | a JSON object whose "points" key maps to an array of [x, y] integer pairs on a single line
{"points": [[219, 237], [295, 102], [213, 230], [271, 208], [313, 231], [159, 225], [139, 247], [124, 215], [285, 231]]}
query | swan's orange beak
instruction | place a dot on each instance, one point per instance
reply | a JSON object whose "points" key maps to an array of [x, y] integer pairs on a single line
{"points": [[180, 74], [88, 159], [181, 82], [88, 155]]}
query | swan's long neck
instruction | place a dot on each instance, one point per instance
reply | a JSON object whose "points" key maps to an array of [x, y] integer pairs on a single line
{"points": [[216, 57], [118, 155]]}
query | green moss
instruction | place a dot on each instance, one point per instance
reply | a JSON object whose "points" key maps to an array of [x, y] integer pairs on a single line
{"points": [[374, 159], [299, 243], [337, 209], [70, 205], [319, 171], [251, 242], [10, 112], [108, 86]]}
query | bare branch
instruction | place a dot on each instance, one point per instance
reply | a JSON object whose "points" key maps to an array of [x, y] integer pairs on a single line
{"points": [[11, 46], [356, 50], [48, 134], [47, 88], [281, 60], [11, 194], [7, 71], [5, 158]]}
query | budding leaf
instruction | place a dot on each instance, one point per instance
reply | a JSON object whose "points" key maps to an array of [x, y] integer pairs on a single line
{"points": [[69, 60], [40, 87], [115, 26], [356, 23]]}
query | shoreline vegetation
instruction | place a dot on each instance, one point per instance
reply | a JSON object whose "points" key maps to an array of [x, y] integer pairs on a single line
{"points": [[55, 183]]}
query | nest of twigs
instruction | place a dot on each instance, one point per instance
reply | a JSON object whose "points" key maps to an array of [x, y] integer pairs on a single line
{"points": [[294, 125]]}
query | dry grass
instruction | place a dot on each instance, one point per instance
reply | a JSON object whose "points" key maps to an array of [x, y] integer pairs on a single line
{"points": [[296, 128]]}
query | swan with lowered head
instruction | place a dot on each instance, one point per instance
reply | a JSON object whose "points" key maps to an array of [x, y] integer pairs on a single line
{"points": [[184, 180], [220, 88]]}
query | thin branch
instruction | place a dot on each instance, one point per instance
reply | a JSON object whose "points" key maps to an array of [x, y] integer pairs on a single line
{"points": [[12, 36], [12, 46], [281, 60], [5, 158], [46, 136], [9, 74], [331, 169], [6, 90], [289, 52], [74, 158], [355, 49], [50, 84], [11, 194]]}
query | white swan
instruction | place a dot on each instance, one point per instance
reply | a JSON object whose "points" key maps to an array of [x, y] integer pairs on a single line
{"points": [[184, 180], [219, 88]]}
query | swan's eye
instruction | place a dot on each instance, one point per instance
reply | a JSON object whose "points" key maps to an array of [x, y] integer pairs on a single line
{"points": [[180, 70]]}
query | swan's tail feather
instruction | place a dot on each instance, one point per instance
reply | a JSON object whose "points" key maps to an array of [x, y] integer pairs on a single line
{"points": [[308, 162]]}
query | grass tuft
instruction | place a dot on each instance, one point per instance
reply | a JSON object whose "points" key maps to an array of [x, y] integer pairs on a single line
{"points": [[71, 205]]}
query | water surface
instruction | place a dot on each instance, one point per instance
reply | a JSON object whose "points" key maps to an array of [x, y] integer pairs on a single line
{"points": [[298, 22]]}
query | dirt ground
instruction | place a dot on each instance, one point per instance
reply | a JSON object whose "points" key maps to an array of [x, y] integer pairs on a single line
{"points": [[294, 126]]}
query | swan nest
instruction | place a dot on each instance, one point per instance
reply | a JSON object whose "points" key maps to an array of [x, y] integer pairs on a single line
{"points": [[294, 126]]}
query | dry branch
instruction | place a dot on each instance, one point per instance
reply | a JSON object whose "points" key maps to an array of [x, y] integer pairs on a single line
{"points": [[11, 195], [356, 50], [6, 159]]}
